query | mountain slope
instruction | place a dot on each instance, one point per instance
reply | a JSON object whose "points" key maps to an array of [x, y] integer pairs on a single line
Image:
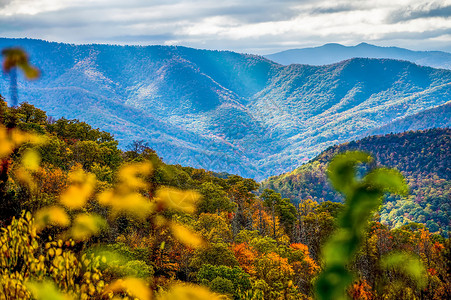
{"points": [[436, 117], [224, 111], [422, 156], [333, 53]]}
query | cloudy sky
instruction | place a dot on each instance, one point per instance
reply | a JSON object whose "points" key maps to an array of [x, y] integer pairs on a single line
{"points": [[252, 26]]}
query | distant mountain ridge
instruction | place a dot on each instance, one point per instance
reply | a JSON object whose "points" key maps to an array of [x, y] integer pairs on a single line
{"points": [[334, 53], [220, 110]]}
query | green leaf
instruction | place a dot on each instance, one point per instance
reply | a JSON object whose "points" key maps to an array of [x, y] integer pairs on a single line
{"points": [[408, 265], [387, 180], [342, 170]]}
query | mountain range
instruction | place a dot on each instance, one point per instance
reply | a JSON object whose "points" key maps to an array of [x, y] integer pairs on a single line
{"points": [[225, 111], [333, 53]]}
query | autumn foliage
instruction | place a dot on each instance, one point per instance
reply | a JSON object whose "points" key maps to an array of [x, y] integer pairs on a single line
{"points": [[84, 219]]}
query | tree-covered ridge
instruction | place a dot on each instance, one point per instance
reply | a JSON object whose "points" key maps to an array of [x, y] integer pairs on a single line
{"points": [[422, 156], [232, 242], [436, 117], [225, 111]]}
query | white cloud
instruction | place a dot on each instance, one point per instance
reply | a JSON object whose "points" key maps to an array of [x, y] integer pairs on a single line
{"points": [[249, 26]]}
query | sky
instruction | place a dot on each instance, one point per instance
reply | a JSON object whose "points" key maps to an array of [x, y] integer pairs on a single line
{"points": [[248, 26]]}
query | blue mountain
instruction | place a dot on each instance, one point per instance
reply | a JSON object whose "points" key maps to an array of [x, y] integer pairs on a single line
{"points": [[333, 53], [221, 110]]}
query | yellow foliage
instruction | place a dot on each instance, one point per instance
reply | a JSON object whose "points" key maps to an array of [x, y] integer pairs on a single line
{"points": [[12, 286], [86, 225], [25, 177], [81, 188], [189, 292], [53, 215], [129, 175], [133, 204], [186, 236], [12, 138], [30, 163], [176, 199], [124, 198], [31, 160], [6, 144], [132, 286], [46, 290]]}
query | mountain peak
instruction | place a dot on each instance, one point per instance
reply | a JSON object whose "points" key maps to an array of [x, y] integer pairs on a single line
{"points": [[334, 53]]}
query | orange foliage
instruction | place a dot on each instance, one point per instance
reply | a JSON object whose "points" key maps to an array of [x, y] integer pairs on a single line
{"points": [[246, 256], [361, 290], [299, 246], [303, 264], [51, 180]]}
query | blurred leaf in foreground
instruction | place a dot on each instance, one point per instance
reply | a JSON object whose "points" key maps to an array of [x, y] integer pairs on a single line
{"points": [[189, 292], [81, 188], [363, 197], [132, 286], [52, 215], [407, 264], [46, 291], [86, 225], [171, 198], [186, 236]]}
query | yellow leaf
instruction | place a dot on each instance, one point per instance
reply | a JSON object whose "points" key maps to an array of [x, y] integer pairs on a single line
{"points": [[31, 160], [133, 286], [6, 146], [80, 190], [86, 225], [129, 175], [19, 137], [176, 199], [186, 236], [46, 290], [106, 198], [25, 177], [12, 138], [53, 215], [189, 292], [133, 204]]}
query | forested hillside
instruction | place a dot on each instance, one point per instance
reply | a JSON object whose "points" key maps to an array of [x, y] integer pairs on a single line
{"points": [[221, 110], [437, 117], [422, 156], [83, 219]]}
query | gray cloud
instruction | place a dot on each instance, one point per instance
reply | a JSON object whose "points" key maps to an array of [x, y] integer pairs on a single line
{"points": [[335, 9], [420, 12], [3, 3], [408, 35], [253, 26], [248, 13]]}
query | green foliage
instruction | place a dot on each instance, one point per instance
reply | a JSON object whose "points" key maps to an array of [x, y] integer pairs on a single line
{"points": [[225, 280], [215, 254], [214, 199], [222, 285], [284, 209]]}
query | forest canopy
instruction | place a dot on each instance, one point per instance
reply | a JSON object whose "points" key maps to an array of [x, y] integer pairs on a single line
{"points": [[82, 218]]}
